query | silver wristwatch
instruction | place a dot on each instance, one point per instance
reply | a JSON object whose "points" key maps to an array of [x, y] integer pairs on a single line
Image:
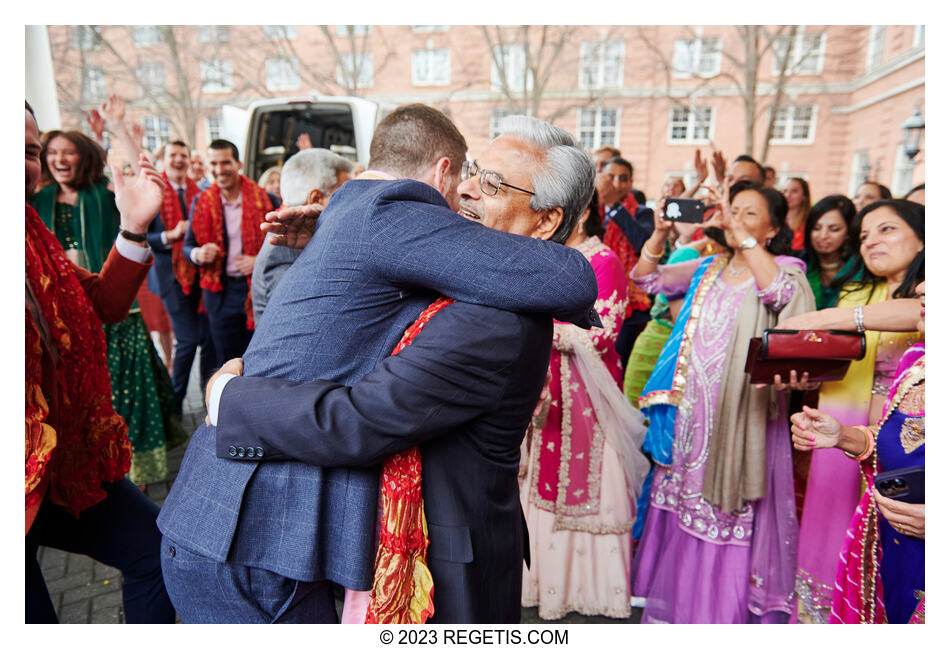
{"points": [[748, 243]]}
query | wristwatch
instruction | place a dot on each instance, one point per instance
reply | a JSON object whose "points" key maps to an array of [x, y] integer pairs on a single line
{"points": [[748, 243], [132, 236]]}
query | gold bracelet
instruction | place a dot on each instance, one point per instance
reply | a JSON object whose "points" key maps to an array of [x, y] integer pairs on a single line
{"points": [[868, 449], [650, 256]]}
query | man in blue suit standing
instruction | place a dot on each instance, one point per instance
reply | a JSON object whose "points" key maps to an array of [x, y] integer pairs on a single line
{"points": [[173, 278], [383, 251]]}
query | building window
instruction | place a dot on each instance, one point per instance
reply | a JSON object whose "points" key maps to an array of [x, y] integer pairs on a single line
{"points": [[430, 67], [282, 73], [156, 132], [145, 35], [430, 28], [860, 171], [216, 75], [700, 57], [355, 70], [497, 115], [213, 34], [875, 46], [213, 126], [919, 35], [151, 78], [86, 37], [354, 30], [280, 32], [601, 64], [93, 84], [903, 179], [794, 125], [691, 124], [807, 55], [597, 127], [510, 61]]}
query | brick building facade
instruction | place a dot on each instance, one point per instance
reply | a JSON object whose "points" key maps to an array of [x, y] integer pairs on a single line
{"points": [[655, 92]]}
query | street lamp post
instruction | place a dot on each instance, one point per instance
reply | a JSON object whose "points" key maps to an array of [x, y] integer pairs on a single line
{"points": [[913, 129]]}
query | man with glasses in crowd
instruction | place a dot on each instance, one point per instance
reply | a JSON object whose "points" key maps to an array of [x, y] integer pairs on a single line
{"points": [[384, 250]]}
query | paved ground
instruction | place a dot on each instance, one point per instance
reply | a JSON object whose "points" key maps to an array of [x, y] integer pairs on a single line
{"points": [[85, 591]]}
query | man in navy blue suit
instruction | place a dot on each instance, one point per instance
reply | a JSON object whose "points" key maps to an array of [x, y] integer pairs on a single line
{"points": [[164, 279], [384, 250]]}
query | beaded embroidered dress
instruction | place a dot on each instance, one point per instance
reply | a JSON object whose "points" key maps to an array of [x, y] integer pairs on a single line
{"points": [[693, 560], [580, 539]]}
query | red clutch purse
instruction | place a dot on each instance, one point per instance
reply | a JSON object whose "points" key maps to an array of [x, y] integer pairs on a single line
{"points": [[824, 354]]}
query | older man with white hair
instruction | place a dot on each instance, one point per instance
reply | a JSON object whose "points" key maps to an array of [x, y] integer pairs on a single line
{"points": [[308, 178]]}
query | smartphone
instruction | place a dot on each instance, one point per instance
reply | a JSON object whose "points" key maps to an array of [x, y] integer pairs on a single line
{"points": [[905, 485], [684, 210]]}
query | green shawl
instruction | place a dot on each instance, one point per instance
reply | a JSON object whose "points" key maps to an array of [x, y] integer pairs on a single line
{"points": [[95, 221]]}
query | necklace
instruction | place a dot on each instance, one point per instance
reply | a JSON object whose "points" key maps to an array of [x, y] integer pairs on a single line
{"points": [[735, 273], [834, 266]]}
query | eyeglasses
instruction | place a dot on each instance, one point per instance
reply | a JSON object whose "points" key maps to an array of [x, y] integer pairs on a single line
{"points": [[489, 182]]}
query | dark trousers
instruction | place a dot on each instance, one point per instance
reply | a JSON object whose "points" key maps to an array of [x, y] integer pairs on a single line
{"points": [[206, 591], [191, 331], [227, 319], [629, 331], [119, 531]]}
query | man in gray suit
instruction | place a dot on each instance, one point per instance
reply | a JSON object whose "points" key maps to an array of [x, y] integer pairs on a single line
{"points": [[309, 177]]}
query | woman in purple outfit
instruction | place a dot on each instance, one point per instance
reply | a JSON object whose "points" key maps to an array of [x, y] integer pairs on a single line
{"points": [[720, 535]]}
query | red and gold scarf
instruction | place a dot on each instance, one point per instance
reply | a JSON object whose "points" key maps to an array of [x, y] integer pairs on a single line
{"points": [[616, 240], [91, 440], [208, 226], [183, 269], [402, 584]]}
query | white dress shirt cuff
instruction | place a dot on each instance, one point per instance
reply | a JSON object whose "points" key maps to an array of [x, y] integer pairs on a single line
{"points": [[216, 389], [194, 259], [164, 238], [132, 252]]}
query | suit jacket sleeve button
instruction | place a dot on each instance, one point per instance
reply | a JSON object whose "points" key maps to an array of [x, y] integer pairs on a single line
{"points": [[232, 451], [241, 451], [260, 452]]}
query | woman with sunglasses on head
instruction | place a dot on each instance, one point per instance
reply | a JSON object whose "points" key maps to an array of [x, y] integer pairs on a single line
{"points": [[890, 264], [880, 571]]}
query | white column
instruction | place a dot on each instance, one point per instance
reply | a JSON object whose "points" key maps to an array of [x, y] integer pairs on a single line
{"points": [[40, 82]]}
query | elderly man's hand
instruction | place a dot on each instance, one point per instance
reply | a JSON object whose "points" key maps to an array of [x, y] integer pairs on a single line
{"points": [[233, 366], [292, 227]]}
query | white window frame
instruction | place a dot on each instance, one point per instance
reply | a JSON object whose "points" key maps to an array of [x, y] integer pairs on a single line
{"points": [[213, 127], [516, 68], [156, 129], [494, 124], [365, 78], [216, 75], [691, 124], [798, 51], [920, 32], [902, 180], [146, 35], [281, 73], [696, 51], [422, 29], [594, 64], [598, 129], [150, 76], [93, 78], [358, 30], [214, 34], [786, 138], [428, 57], [877, 35], [280, 32], [859, 175], [85, 37]]}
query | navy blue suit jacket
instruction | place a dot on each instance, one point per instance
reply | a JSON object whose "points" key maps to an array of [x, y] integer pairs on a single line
{"points": [[382, 252], [464, 390]]}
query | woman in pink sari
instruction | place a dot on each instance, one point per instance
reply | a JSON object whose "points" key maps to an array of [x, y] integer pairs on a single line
{"points": [[584, 467]]}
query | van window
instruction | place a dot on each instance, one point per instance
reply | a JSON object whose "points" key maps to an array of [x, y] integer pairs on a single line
{"points": [[274, 132]]}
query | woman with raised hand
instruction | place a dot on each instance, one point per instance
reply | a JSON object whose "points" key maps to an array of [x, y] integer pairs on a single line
{"points": [[720, 531]]}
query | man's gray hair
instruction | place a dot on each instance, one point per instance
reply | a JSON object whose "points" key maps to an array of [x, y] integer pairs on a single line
{"points": [[566, 177], [308, 170]]}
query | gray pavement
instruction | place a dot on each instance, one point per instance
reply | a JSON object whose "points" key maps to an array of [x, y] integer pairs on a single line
{"points": [[87, 592]]}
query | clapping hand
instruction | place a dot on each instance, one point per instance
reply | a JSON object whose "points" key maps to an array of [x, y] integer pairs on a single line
{"points": [[700, 164], [140, 200], [813, 429], [304, 142], [96, 124], [292, 227], [114, 110], [719, 166]]}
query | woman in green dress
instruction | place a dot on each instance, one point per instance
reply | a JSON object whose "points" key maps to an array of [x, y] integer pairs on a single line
{"points": [[829, 248], [77, 205]]}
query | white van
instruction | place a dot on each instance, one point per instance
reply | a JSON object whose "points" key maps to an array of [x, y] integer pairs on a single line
{"points": [[266, 131]]}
